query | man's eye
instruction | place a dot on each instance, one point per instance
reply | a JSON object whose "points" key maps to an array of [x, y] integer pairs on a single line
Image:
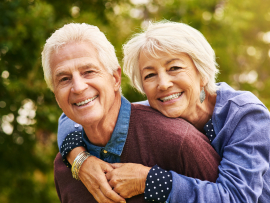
{"points": [[175, 68], [64, 79], [149, 75]]}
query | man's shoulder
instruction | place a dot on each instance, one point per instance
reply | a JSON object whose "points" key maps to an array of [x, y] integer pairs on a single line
{"points": [[147, 117], [141, 112]]}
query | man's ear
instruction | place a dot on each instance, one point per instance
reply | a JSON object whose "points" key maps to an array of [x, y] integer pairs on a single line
{"points": [[57, 101], [117, 78]]}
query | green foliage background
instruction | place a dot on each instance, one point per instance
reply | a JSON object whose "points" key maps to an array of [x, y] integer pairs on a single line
{"points": [[238, 30]]}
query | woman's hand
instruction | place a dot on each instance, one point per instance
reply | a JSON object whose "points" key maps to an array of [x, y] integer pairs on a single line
{"points": [[92, 174], [128, 179]]}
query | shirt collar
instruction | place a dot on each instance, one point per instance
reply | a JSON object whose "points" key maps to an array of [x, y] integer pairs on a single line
{"points": [[119, 135]]}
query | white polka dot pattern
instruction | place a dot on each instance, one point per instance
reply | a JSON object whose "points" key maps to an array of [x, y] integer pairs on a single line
{"points": [[209, 130], [71, 141], [158, 185]]}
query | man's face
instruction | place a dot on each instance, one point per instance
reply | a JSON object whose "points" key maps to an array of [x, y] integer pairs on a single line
{"points": [[83, 88]]}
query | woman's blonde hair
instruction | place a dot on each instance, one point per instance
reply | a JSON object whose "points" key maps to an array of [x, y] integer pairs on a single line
{"points": [[171, 38]]}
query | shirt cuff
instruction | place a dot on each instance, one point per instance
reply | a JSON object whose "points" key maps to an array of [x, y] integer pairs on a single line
{"points": [[71, 141], [158, 184]]}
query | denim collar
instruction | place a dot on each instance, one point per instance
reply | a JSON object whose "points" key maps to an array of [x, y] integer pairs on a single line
{"points": [[119, 135]]}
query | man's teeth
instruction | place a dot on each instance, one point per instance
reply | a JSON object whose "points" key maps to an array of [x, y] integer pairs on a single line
{"points": [[168, 98], [86, 101]]}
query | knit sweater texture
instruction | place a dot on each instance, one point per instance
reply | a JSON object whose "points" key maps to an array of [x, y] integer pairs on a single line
{"points": [[152, 139]]}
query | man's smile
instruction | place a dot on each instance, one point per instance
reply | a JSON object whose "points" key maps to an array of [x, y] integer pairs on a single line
{"points": [[86, 101]]}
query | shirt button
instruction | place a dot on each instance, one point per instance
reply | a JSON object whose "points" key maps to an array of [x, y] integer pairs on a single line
{"points": [[76, 125], [105, 152]]}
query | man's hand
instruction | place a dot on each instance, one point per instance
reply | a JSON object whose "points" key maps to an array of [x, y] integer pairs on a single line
{"points": [[92, 174], [128, 179]]}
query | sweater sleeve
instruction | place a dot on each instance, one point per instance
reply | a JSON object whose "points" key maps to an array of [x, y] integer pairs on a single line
{"points": [[244, 150]]}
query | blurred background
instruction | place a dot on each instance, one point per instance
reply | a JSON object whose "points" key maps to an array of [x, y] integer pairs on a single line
{"points": [[238, 30]]}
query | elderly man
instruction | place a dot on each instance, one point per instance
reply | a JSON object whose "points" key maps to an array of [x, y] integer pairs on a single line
{"points": [[81, 68]]}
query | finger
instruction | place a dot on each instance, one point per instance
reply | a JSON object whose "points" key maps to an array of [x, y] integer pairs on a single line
{"points": [[109, 193], [117, 165], [102, 192], [123, 191], [109, 176], [107, 168], [100, 197]]}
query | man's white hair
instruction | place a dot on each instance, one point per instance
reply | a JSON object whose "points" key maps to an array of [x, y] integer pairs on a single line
{"points": [[171, 38], [75, 32]]}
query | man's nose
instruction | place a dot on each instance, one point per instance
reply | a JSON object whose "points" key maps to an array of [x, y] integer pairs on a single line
{"points": [[164, 82], [78, 84]]}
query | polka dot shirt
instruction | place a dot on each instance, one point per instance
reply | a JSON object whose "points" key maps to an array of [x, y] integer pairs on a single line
{"points": [[209, 130], [71, 141], [158, 185]]}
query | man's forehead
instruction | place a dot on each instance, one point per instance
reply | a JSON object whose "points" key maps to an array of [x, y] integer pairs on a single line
{"points": [[75, 54]]}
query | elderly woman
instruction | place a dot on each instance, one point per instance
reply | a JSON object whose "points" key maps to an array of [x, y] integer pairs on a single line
{"points": [[174, 65]]}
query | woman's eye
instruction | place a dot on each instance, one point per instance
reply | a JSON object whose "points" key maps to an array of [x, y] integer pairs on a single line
{"points": [[149, 75], [175, 68], [88, 72]]}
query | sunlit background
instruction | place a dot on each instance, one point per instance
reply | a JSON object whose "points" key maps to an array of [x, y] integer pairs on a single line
{"points": [[238, 30]]}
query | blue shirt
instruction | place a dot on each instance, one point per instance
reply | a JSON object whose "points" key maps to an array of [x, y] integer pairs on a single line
{"points": [[69, 136], [242, 128], [112, 151]]}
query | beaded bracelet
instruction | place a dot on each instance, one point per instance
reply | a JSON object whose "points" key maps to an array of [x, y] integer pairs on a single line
{"points": [[77, 163]]}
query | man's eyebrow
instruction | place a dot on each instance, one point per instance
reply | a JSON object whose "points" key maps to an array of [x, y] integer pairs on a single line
{"points": [[82, 67], [60, 73], [85, 66], [173, 59]]}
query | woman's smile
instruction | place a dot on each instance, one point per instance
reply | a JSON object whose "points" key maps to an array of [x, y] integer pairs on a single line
{"points": [[171, 83]]}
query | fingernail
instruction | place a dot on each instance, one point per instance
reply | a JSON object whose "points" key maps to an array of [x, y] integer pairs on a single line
{"points": [[123, 202]]}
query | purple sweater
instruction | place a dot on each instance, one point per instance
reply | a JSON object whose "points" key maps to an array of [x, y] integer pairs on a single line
{"points": [[173, 144]]}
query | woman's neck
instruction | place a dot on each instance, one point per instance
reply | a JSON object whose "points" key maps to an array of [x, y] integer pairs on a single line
{"points": [[204, 112]]}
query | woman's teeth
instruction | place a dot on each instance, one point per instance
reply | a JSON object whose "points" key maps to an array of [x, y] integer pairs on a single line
{"points": [[168, 98], [86, 101]]}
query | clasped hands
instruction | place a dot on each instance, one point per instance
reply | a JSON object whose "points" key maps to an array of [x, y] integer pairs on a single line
{"points": [[113, 182]]}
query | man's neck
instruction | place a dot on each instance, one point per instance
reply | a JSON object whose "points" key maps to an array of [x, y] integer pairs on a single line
{"points": [[100, 133]]}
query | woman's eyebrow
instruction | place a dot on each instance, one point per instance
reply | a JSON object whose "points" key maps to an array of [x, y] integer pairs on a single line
{"points": [[173, 59], [148, 68]]}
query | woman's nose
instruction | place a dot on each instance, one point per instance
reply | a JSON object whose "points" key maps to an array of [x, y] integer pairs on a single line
{"points": [[164, 82]]}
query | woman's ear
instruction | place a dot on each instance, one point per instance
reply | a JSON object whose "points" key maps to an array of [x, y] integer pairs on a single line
{"points": [[203, 81]]}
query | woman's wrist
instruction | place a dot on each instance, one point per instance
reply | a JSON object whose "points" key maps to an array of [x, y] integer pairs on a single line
{"points": [[71, 156], [158, 184], [144, 173], [82, 156]]}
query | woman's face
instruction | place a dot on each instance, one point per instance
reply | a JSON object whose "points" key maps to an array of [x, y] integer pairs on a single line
{"points": [[171, 83]]}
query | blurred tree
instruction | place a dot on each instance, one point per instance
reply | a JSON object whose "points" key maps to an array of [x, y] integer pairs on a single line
{"points": [[238, 30]]}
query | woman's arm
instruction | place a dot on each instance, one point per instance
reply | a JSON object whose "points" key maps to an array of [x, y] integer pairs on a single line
{"points": [[244, 146], [93, 170], [193, 157]]}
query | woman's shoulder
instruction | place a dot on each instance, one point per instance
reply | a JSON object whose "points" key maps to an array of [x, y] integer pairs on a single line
{"points": [[232, 106], [226, 94]]}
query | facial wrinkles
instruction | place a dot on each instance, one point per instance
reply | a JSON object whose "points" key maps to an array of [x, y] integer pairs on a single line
{"points": [[193, 95]]}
